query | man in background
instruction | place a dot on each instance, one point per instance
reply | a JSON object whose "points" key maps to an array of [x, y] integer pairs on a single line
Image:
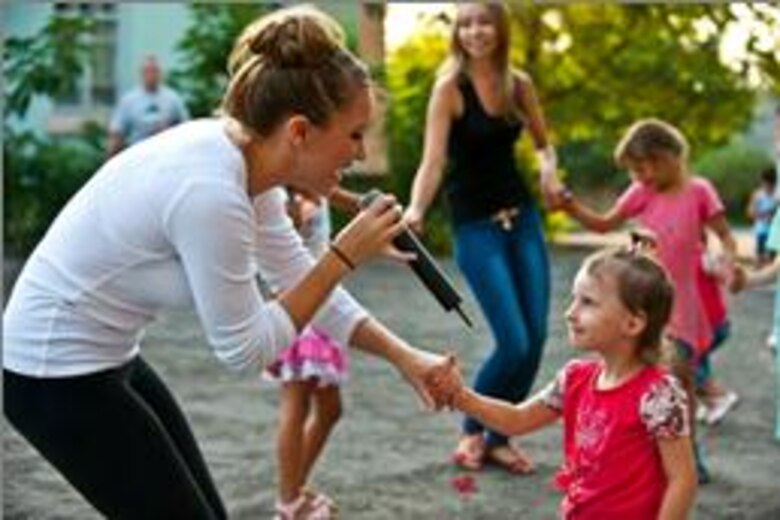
{"points": [[147, 109]]}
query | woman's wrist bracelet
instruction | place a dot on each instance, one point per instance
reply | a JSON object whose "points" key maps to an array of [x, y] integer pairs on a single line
{"points": [[342, 256]]}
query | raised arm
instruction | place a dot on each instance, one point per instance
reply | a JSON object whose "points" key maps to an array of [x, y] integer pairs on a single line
{"points": [[510, 419], [588, 217], [442, 108], [750, 279], [415, 365], [507, 418]]}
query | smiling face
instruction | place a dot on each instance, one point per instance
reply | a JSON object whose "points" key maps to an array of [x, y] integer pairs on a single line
{"points": [[321, 153], [476, 31], [597, 319]]}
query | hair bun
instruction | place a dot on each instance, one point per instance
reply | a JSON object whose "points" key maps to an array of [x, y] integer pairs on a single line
{"points": [[297, 40]]}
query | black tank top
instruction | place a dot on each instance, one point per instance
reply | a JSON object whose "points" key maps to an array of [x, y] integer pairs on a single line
{"points": [[482, 174]]}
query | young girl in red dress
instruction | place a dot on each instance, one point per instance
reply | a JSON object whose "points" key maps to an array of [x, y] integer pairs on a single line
{"points": [[627, 445]]}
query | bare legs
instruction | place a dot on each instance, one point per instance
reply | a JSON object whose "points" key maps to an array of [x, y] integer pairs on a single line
{"points": [[308, 415]]}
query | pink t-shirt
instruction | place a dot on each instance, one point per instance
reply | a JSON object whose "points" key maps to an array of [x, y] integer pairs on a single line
{"points": [[612, 468], [678, 220]]}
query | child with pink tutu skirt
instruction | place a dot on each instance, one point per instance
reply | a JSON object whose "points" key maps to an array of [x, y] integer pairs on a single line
{"points": [[310, 371]]}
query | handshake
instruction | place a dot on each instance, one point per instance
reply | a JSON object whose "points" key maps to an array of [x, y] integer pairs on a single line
{"points": [[444, 384]]}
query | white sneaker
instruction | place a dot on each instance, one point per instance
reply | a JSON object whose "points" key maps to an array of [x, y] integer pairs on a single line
{"points": [[720, 406]]}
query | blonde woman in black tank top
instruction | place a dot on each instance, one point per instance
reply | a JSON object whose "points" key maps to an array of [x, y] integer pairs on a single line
{"points": [[478, 109]]}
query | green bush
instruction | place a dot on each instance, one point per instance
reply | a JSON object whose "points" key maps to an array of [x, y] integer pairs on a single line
{"points": [[735, 171], [41, 173], [589, 165], [40, 176]]}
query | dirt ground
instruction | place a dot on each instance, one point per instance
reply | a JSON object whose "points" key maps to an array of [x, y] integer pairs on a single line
{"points": [[388, 459]]}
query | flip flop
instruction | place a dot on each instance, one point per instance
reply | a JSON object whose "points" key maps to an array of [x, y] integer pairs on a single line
{"points": [[518, 463], [470, 452]]}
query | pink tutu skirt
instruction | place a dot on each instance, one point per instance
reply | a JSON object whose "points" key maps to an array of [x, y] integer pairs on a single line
{"points": [[313, 355]]}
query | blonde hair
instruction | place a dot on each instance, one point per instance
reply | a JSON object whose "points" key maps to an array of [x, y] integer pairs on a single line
{"points": [[292, 61], [643, 288], [648, 139], [457, 62]]}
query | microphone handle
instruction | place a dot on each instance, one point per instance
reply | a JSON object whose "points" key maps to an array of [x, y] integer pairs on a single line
{"points": [[426, 269]]}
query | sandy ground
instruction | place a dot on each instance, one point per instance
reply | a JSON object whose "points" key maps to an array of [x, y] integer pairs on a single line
{"points": [[388, 459]]}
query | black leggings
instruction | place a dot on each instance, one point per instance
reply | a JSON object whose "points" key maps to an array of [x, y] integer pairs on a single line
{"points": [[119, 438]]}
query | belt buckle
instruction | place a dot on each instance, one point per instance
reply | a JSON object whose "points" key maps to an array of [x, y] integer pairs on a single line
{"points": [[504, 219], [506, 222]]}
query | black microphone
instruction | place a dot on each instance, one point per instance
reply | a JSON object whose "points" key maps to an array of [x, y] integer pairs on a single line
{"points": [[424, 266]]}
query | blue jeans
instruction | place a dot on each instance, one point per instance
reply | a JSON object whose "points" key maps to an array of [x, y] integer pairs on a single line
{"points": [[509, 273], [703, 371]]}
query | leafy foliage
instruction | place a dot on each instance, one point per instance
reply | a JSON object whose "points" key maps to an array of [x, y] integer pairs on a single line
{"points": [[41, 174], [205, 47], [628, 62], [598, 68], [51, 62], [736, 170], [410, 77]]}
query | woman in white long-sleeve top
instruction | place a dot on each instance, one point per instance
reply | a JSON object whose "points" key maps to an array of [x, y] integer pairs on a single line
{"points": [[190, 216]]}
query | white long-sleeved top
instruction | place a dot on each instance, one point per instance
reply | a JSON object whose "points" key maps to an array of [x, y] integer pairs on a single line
{"points": [[165, 224]]}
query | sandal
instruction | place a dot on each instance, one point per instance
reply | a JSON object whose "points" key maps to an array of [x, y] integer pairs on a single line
{"points": [[322, 503], [470, 452], [290, 510], [510, 458], [308, 506]]}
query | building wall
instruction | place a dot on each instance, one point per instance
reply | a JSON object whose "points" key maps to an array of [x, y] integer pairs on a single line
{"points": [[141, 29], [144, 29]]}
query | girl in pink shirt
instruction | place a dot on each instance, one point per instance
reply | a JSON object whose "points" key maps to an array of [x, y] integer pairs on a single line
{"points": [[677, 208], [627, 450]]}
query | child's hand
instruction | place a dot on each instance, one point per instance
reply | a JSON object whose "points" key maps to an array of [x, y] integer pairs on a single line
{"points": [[552, 188], [562, 198], [301, 207], [739, 277], [445, 382]]}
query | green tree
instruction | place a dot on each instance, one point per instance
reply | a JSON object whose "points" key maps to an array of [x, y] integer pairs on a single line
{"points": [[205, 47], [409, 74], [42, 172], [599, 67], [202, 73], [49, 63]]}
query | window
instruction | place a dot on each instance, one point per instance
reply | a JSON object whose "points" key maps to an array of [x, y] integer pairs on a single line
{"points": [[98, 85]]}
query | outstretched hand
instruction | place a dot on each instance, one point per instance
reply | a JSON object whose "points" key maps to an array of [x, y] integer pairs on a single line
{"points": [[434, 377], [552, 191], [445, 382], [738, 279]]}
